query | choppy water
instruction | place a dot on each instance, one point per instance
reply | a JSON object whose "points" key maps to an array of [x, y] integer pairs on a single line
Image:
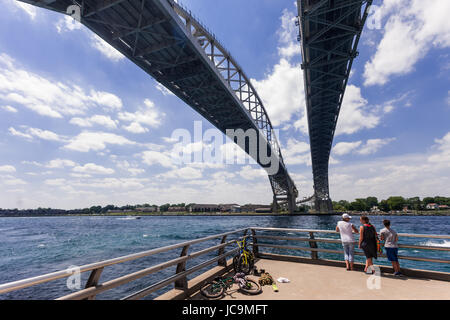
{"points": [[34, 246]]}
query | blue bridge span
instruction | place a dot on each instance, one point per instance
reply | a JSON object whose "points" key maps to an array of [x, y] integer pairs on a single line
{"points": [[169, 44]]}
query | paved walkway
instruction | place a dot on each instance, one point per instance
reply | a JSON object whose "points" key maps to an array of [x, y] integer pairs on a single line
{"points": [[317, 282]]}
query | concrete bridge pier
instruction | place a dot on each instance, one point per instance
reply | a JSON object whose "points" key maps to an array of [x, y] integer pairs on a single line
{"points": [[323, 206]]}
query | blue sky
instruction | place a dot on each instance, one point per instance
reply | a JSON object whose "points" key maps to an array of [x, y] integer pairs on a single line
{"points": [[80, 125]]}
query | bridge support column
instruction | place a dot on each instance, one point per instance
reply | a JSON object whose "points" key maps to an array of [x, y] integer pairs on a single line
{"points": [[323, 206]]}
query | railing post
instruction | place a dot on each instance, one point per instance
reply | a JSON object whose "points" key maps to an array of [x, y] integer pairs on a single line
{"points": [[181, 267], [222, 262], [255, 244], [93, 280], [313, 244]]}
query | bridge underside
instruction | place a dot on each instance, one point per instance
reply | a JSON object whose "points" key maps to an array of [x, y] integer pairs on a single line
{"points": [[330, 32], [165, 41]]}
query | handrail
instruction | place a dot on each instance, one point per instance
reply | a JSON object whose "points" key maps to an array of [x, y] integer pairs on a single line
{"points": [[24, 283], [93, 288], [314, 250], [433, 236]]}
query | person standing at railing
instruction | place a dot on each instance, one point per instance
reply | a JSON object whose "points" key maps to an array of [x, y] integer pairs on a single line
{"points": [[368, 243], [390, 238], [346, 229]]}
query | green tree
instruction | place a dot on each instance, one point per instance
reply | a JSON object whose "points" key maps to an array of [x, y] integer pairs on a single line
{"points": [[371, 202], [427, 200], [383, 206], [396, 203], [164, 207]]}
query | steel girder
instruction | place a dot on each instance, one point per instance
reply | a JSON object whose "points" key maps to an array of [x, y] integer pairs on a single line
{"points": [[329, 31], [168, 43]]}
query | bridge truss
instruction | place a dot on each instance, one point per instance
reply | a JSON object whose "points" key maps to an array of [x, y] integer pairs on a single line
{"points": [[329, 32], [173, 47]]}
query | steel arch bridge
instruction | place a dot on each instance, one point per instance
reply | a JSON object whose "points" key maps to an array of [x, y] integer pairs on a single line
{"points": [[168, 43], [329, 33]]}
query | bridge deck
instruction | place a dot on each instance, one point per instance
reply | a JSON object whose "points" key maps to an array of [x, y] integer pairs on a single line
{"points": [[322, 282]]}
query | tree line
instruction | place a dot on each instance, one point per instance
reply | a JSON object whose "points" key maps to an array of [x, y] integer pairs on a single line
{"points": [[394, 203]]}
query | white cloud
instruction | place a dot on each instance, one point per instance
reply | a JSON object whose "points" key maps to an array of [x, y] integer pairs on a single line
{"points": [[60, 163], [7, 169], [36, 132], [355, 113], [412, 29], [373, 145], [147, 114], [17, 133], [297, 152], [9, 109], [342, 148], [135, 127], [96, 141], [55, 182], [282, 90], [92, 168], [101, 120], [106, 49], [67, 23], [48, 97], [186, 173], [27, 8], [443, 147], [289, 46], [164, 90], [252, 173], [151, 157]]}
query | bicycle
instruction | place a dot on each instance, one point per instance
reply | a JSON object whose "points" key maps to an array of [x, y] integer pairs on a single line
{"points": [[245, 261], [220, 285]]}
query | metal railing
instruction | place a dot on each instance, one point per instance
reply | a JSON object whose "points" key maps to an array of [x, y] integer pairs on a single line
{"points": [[314, 249], [93, 287]]}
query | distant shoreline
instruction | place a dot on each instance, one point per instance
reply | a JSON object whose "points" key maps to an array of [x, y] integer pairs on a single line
{"points": [[228, 214]]}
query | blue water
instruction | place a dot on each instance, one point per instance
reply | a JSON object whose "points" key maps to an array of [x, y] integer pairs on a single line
{"points": [[34, 246]]}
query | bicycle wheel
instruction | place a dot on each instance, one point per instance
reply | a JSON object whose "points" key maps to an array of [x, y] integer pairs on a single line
{"points": [[245, 267], [236, 264], [251, 287], [213, 289]]}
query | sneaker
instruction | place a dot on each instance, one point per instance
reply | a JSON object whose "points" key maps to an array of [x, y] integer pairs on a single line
{"points": [[398, 274]]}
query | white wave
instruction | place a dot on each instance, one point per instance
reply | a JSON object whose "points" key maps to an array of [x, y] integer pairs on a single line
{"points": [[434, 243], [42, 245]]}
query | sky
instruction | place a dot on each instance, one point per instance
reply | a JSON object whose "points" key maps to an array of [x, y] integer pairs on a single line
{"points": [[80, 125]]}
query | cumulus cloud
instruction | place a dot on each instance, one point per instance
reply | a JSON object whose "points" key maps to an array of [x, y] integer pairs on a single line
{"points": [[356, 114], [373, 145], [147, 114], [100, 120], [92, 168], [7, 169], [282, 89], [36, 132], [96, 141], [48, 97], [9, 109], [105, 48], [343, 148], [413, 27]]}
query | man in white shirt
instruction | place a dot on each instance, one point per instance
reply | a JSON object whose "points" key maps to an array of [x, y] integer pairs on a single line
{"points": [[346, 229]]}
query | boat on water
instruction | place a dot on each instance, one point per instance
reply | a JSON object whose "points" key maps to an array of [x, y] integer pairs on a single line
{"points": [[130, 218]]}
